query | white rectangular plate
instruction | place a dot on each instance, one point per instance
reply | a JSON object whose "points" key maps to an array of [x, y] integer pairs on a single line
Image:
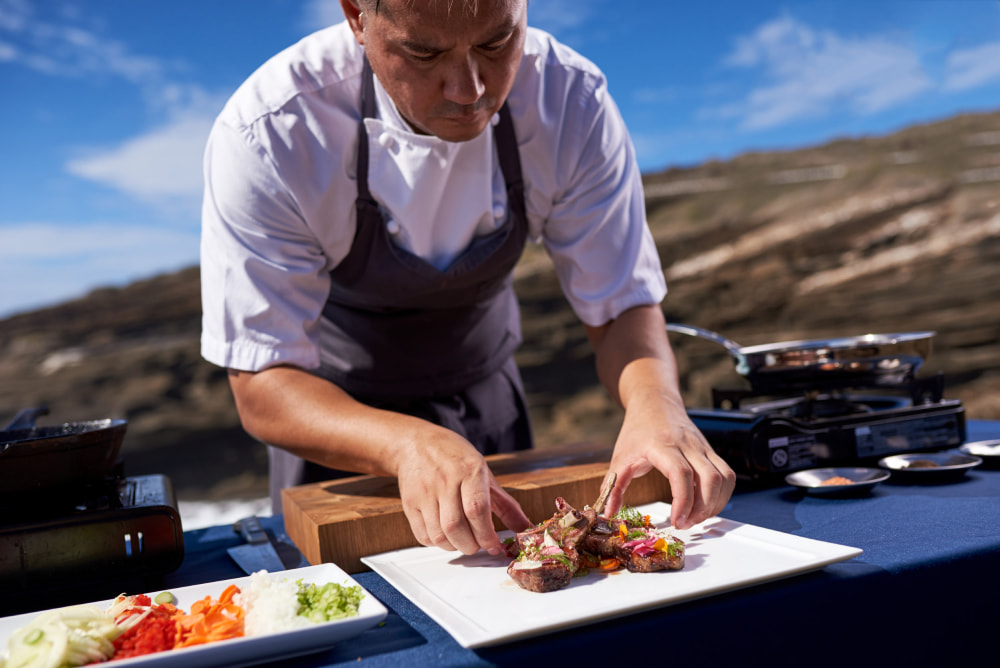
{"points": [[244, 651], [475, 600]]}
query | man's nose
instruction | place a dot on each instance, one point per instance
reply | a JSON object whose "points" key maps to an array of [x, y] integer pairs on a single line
{"points": [[462, 83]]}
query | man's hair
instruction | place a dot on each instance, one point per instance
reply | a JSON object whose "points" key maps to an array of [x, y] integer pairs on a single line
{"points": [[470, 6]]}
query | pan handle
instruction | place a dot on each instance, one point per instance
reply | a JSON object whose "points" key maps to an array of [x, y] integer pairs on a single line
{"points": [[25, 418], [734, 348], [691, 330]]}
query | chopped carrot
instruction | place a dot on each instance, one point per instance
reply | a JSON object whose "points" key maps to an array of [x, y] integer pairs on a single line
{"points": [[610, 564], [210, 621]]}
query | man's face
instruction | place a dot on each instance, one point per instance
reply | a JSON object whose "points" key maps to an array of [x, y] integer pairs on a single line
{"points": [[448, 70]]}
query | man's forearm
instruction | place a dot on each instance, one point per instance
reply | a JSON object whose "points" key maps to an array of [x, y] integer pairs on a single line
{"points": [[633, 354], [311, 417]]}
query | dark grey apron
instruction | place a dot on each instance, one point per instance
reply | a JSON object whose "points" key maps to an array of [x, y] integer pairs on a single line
{"points": [[399, 334]]}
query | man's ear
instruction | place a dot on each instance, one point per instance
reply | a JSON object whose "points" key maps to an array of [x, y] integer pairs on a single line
{"points": [[355, 19]]}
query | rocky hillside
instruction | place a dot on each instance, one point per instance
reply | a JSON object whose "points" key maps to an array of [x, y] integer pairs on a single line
{"points": [[886, 234]]}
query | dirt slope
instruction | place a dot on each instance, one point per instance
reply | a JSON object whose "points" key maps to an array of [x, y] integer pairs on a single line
{"points": [[896, 233]]}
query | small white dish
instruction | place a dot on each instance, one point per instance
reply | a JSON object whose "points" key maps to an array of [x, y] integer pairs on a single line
{"points": [[930, 466], [837, 481], [988, 451]]}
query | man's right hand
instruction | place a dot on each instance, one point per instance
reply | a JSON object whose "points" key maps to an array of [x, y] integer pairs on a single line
{"points": [[450, 495]]}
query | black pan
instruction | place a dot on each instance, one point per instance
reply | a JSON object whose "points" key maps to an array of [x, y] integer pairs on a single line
{"points": [[36, 458], [871, 360]]}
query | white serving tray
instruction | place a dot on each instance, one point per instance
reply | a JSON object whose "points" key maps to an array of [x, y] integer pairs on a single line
{"points": [[475, 600], [243, 651]]}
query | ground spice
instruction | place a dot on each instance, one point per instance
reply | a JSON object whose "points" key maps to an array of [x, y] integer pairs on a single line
{"points": [[837, 480]]}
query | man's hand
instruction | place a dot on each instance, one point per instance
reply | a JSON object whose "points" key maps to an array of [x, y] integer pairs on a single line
{"points": [[657, 433], [637, 366], [449, 496]]}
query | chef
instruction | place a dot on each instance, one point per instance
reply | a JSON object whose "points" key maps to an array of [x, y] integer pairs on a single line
{"points": [[368, 192]]}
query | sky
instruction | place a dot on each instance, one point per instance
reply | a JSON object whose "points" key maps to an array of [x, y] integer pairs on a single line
{"points": [[105, 105]]}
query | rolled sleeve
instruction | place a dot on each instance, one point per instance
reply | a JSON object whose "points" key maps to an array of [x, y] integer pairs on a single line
{"points": [[264, 278]]}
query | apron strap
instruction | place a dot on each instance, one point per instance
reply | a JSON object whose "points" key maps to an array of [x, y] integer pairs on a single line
{"points": [[367, 111]]}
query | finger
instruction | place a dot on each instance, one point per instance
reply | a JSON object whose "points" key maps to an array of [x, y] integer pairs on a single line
{"points": [[508, 509], [476, 497], [679, 473], [713, 485], [706, 482], [417, 525], [683, 497], [728, 483], [455, 532]]}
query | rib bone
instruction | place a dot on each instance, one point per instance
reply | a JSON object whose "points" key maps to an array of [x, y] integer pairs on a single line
{"points": [[609, 485]]}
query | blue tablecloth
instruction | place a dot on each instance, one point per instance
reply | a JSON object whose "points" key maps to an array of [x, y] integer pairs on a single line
{"points": [[926, 591]]}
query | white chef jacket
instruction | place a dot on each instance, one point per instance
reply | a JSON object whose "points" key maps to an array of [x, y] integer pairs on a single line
{"points": [[280, 186]]}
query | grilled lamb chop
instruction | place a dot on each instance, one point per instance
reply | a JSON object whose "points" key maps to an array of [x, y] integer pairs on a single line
{"points": [[633, 543], [672, 560], [604, 539], [652, 552], [547, 555]]}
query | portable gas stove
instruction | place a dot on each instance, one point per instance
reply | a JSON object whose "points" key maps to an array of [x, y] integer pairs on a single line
{"points": [[765, 437], [91, 540]]}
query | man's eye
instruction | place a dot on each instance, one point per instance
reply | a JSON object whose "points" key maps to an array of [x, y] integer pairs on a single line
{"points": [[495, 46], [423, 56]]}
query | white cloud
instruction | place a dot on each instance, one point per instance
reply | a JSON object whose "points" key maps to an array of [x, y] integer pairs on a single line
{"points": [[810, 73], [161, 166], [560, 16], [62, 49], [317, 14], [13, 14], [47, 263], [970, 68], [8, 52]]}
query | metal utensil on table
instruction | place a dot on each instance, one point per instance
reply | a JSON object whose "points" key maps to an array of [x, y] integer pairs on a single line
{"points": [[868, 360], [257, 554]]}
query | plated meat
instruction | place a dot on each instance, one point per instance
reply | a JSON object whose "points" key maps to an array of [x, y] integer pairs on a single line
{"points": [[571, 542], [547, 555]]}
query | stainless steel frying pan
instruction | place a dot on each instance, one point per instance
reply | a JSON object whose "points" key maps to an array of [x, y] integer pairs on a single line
{"points": [[34, 458], [870, 360]]}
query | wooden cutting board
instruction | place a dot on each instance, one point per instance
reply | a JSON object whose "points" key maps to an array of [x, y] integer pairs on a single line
{"points": [[342, 520]]}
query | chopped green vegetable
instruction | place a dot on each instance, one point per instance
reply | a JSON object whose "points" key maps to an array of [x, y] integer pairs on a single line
{"points": [[163, 597], [329, 601], [562, 558], [34, 636], [631, 516]]}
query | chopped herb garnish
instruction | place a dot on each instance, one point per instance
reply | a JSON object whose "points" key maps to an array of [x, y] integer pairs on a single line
{"points": [[632, 517], [562, 558]]}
